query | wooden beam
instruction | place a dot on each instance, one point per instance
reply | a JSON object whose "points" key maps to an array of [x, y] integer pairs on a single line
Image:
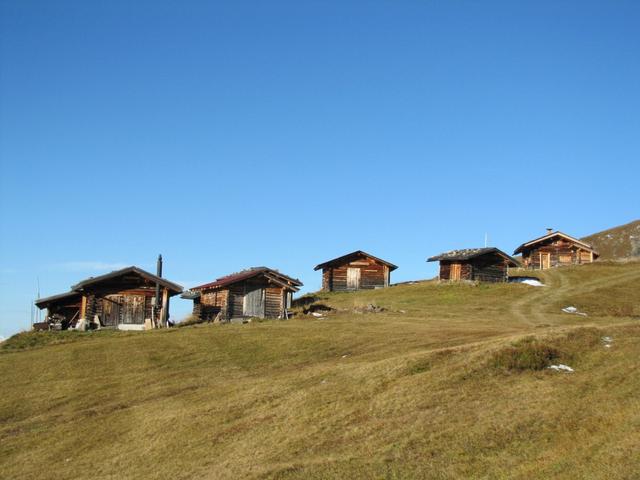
{"points": [[164, 315], [83, 306]]}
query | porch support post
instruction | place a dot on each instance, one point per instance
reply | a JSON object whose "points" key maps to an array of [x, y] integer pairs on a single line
{"points": [[164, 315], [83, 307]]}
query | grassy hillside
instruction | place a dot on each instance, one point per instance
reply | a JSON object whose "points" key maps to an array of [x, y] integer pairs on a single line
{"points": [[436, 381], [617, 243]]}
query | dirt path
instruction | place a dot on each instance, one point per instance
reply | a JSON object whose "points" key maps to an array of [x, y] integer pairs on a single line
{"points": [[533, 308]]}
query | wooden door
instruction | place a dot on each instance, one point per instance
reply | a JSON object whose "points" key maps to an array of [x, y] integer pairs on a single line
{"points": [[111, 311], [545, 260], [455, 271], [353, 278], [254, 303], [133, 309]]}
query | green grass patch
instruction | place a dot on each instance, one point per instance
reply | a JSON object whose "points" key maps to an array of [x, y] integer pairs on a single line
{"points": [[527, 354], [31, 340]]}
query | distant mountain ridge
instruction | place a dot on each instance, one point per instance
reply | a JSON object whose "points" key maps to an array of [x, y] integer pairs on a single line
{"points": [[618, 242]]}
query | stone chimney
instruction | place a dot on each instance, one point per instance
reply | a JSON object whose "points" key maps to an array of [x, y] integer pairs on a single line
{"points": [[549, 230]]}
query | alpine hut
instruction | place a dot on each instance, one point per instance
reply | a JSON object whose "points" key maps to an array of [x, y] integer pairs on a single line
{"points": [[127, 299], [555, 249], [482, 264], [256, 292], [354, 271]]}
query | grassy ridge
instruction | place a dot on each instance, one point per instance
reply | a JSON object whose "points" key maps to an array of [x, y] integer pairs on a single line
{"points": [[413, 391], [618, 242]]}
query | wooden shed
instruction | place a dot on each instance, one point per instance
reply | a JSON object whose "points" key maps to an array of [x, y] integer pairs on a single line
{"points": [[354, 271], [555, 249], [480, 264], [259, 292], [124, 299]]}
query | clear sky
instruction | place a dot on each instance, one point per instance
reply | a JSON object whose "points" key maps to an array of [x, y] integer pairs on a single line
{"points": [[226, 135]]}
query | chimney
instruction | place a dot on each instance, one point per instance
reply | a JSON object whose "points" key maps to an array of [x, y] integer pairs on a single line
{"points": [[549, 230]]}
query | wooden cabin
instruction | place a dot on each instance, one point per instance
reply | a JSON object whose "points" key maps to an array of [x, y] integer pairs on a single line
{"points": [[555, 249], [354, 271], [124, 299], [474, 264], [259, 292]]}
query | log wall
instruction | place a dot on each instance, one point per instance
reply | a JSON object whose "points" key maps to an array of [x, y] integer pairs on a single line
{"points": [[445, 271], [210, 304], [487, 268], [230, 301], [372, 275], [561, 252]]}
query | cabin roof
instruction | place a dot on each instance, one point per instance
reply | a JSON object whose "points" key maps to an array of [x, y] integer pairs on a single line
{"points": [[274, 275], [465, 254], [550, 235], [46, 301], [358, 253], [114, 281], [90, 282]]}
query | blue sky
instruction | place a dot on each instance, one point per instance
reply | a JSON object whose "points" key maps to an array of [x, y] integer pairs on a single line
{"points": [[231, 134]]}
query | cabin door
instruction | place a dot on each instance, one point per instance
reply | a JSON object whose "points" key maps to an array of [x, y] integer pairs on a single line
{"points": [[133, 309], [353, 278], [545, 261], [254, 303], [110, 311], [455, 271]]}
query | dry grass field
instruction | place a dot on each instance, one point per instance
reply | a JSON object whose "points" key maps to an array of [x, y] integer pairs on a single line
{"points": [[437, 382]]}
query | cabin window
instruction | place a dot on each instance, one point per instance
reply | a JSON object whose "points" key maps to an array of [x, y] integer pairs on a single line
{"points": [[565, 259], [585, 257]]}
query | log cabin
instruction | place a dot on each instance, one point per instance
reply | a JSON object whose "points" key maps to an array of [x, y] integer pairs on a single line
{"points": [[555, 249], [474, 264], [354, 271], [124, 299], [258, 292]]}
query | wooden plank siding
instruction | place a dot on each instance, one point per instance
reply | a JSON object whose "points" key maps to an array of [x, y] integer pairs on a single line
{"points": [[482, 269], [274, 301], [231, 301], [210, 304], [560, 252], [372, 275]]}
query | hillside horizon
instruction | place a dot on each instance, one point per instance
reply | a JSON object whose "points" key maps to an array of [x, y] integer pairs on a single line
{"points": [[430, 380]]}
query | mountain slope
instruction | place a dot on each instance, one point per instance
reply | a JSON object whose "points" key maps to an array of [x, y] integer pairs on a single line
{"points": [[618, 242], [410, 389]]}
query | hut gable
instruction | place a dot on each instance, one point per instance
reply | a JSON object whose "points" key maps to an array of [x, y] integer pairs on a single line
{"points": [[123, 299], [555, 249], [256, 292], [474, 264], [354, 271]]}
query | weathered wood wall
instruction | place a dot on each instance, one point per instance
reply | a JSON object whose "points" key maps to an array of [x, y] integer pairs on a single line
{"points": [[210, 304], [489, 268], [230, 301], [130, 307], [372, 275], [484, 269], [274, 302], [561, 252], [445, 270]]}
